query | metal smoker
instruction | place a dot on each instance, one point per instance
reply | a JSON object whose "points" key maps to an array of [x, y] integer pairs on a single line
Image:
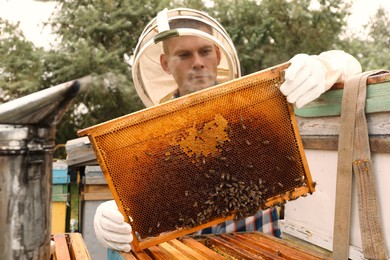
{"points": [[27, 140]]}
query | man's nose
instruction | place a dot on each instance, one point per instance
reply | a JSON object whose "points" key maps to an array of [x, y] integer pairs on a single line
{"points": [[197, 62]]}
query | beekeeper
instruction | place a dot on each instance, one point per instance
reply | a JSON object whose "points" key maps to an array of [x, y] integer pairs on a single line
{"points": [[182, 51]]}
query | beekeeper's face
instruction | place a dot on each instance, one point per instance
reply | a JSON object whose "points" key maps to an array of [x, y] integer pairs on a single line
{"points": [[192, 61]]}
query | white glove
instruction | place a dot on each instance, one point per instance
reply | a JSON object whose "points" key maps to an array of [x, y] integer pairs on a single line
{"points": [[309, 76], [110, 227]]}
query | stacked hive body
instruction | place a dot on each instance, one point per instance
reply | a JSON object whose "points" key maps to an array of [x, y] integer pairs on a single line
{"points": [[60, 197]]}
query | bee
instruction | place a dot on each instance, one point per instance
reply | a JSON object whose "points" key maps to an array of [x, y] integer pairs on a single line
{"points": [[298, 179], [148, 153], [136, 157], [280, 185], [247, 142], [266, 142], [158, 224], [186, 193], [150, 230]]}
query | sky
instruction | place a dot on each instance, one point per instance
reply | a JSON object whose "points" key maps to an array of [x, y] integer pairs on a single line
{"points": [[32, 14]]}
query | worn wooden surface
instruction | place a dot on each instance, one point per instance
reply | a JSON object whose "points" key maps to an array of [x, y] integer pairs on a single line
{"points": [[322, 132], [96, 192], [70, 246], [250, 245], [318, 121]]}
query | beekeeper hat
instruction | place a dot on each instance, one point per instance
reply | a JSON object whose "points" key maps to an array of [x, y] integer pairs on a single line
{"points": [[153, 84]]}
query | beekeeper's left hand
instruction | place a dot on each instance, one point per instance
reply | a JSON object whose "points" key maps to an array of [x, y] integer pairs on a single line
{"points": [[309, 76]]}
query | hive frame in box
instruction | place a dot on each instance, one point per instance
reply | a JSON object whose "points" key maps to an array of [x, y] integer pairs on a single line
{"points": [[188, 119]]}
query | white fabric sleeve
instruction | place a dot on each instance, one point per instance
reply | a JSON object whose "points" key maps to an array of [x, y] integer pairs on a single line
{"points": [[339, 66]]}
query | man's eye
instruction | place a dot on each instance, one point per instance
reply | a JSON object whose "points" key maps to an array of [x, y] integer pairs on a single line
{"points": [[184, 55], [205, 52]]}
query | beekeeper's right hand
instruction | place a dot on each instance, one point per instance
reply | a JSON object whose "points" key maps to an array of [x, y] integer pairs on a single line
{"points": [[110, 227]]}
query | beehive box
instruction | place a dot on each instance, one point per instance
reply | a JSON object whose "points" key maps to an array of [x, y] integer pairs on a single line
{"points": [[318, 123], [94, 191], [95, 186], [220, 153], [60, 196]]}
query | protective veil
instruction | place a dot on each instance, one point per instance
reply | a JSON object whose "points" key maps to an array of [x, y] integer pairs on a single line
{"points": [[153, 84]]}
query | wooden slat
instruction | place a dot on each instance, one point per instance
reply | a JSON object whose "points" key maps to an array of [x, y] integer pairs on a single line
{"points": [[157, 253], [61, 247], [252, 247], [96, 196], [279, 247], [77, 247], [329, 103], [378, 124], [201, 248], [188, 251], [172, 252], [380, 144], [230, 249], [95, 180], [141, 255], [128, 256], [371, 80], [96, 188]]}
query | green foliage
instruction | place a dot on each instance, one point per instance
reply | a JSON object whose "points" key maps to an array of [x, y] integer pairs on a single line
{"points": [[20, 64], [269, 32], [95, 38], [373, 52]]}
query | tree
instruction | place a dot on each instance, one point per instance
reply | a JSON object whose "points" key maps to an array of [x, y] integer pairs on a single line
{"points": [[269, 32], [372, 51], [95, 39], [21, 66]]}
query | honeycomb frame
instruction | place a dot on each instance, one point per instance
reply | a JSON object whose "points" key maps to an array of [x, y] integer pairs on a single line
{"points": [[196, 161]]}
